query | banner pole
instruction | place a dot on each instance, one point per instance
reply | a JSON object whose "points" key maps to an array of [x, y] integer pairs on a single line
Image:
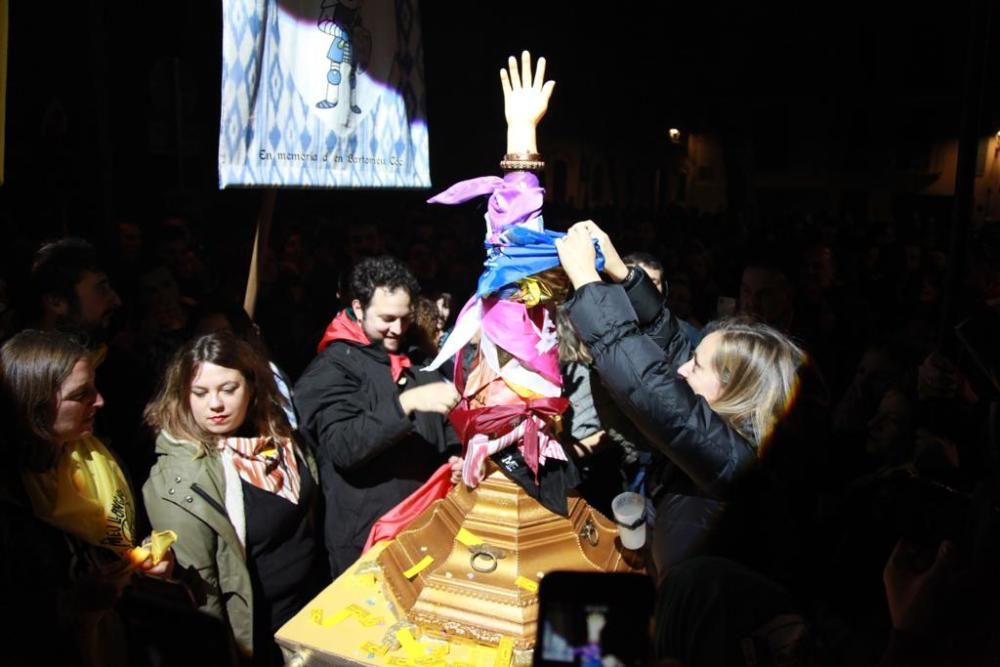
{"points": [[262, 233]]}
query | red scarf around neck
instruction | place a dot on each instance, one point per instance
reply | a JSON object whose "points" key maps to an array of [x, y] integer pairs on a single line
{"points": [[345, 327]]}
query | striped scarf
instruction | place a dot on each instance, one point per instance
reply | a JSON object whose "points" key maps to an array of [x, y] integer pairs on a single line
{"points": [[266, 463]]}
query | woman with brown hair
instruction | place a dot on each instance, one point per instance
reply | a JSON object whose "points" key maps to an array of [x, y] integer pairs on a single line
{"points": [[233, 484], [67, 511]]}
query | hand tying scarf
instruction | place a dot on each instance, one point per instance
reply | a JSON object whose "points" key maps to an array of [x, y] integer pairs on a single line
{"points": [[266, 463]]}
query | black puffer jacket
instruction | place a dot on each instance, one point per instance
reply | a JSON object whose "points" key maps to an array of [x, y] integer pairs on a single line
{"points": [[637, 348], [371, 455]]}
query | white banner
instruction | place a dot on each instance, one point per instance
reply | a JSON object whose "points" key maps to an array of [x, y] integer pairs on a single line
{"points": [[322, 93]]}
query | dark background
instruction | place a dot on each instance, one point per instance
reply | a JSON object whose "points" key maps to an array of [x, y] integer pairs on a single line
{"points": [[113, 114]]}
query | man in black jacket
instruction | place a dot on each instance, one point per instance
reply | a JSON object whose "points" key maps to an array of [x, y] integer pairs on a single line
{"points": [[378, 426]]}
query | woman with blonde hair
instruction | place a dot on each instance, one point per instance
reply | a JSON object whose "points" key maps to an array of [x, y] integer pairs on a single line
{"points": [[233, 484], [709, 413], [757, 370]]}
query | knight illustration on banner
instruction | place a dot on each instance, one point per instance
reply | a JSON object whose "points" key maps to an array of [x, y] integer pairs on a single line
{"points": [[350, 46]]}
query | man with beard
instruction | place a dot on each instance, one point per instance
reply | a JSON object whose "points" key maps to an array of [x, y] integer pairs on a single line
{"points": [[72, 291], [378, 425]]}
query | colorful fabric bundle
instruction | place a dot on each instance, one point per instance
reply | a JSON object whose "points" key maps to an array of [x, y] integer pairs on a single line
{"points": [[513, 393]]}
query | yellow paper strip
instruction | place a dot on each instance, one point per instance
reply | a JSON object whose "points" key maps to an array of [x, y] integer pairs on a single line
{"points": [[377, 649], [419, 567], [467, 538], [371, 620], [359, 611], [397, 661], [319, 618], [529, 585], [409, 644], [505, 651], [366, 579]]}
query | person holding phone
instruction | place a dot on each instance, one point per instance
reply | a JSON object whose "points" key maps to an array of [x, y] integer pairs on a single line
{"points": [[710, 413]]}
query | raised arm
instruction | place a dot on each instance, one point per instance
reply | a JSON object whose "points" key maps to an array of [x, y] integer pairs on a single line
{"points": [[525, 101]]}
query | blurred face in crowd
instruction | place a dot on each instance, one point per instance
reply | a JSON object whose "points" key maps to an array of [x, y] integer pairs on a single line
{"points": [[363, 240], [656, 275], [699, 371], [130, 241], [889, 429], [219, 399], [765, 296], [422, 263], [443, 304], [77, 403], [387, 317], [96, 301], [162, 298], [817, 272]]}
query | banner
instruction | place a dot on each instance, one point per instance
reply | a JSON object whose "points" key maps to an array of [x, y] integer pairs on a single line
{"points": [[323, 93]]}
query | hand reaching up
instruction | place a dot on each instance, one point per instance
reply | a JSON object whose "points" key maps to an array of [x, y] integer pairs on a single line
{"points": [[578, 256], [614, 267]]}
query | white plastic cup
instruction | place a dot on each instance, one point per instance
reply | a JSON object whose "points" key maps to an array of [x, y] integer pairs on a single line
{"points": [[629, 510]]}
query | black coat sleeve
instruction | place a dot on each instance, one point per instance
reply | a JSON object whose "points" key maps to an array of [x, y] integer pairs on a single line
{"points": [[349, 416], [640, 372], [654, 319]]}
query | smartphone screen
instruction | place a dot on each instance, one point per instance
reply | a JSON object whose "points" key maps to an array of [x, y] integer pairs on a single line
{"points": [[594, 619]]}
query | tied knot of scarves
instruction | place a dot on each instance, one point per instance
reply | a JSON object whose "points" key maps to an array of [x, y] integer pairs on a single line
{"points": [[266, 463], [499, 418], [345, 327], [515, 199]]}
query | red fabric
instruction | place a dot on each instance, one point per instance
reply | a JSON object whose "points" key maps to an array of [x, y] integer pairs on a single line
{"points": [[399, 517], [345, 327], [501, 418]]}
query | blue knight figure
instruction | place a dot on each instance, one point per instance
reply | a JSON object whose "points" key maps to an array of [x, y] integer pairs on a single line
{"points": [[342, 21]]}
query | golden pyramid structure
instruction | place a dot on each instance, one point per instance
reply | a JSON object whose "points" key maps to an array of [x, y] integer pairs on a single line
{"points": [[469, 566]]}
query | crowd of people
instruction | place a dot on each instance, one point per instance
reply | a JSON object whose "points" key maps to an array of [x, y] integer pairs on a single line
{"points": [[815, 439]]}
